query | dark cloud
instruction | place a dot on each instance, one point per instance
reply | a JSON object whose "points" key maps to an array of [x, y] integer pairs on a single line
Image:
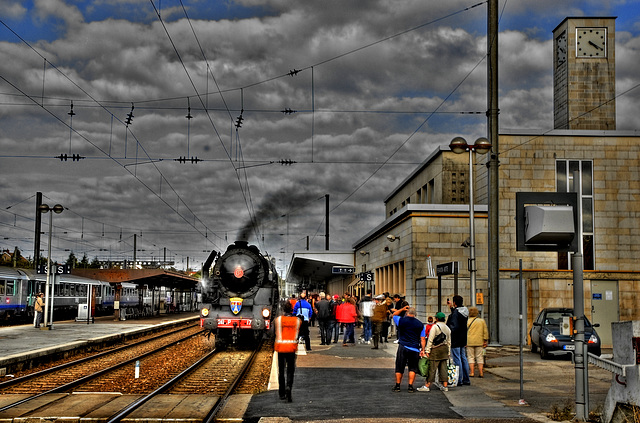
{"points": [[353, 112]]}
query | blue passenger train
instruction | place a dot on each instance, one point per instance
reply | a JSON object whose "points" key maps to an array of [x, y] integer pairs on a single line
{"points": [[18, 289]]}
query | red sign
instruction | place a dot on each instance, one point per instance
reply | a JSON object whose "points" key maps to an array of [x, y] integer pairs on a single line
{"points": [[238, 273], [228, 323]]}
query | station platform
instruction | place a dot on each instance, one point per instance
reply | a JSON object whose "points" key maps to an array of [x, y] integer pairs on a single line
{"points": [[353, 383]]}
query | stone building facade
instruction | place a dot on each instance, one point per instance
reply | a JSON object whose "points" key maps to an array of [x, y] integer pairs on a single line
{"points": [[427, 234]]}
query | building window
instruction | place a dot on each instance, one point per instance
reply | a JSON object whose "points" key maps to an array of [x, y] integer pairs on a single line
{"points": [[565, 170], [432, 184]]}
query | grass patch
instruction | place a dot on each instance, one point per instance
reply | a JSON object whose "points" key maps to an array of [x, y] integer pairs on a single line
{"points": [[562, 412]]}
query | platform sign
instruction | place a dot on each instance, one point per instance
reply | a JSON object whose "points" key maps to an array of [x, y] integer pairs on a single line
{"points": [[449, 268], [366, 276], [60, 269], [343, 270]]}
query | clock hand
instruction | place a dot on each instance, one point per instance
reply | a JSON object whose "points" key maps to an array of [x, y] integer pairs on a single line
{"points": [[595, 45]]}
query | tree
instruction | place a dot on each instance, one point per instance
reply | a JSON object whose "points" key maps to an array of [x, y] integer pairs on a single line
{"points": [[84, 263], [72, 261], [95, 263]]}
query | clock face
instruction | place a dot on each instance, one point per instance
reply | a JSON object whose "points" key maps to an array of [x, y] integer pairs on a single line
{"points": [[591, 42], [561, 48]]}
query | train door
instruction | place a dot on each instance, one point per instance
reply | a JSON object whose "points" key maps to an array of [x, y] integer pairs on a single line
{"points": [[31, 291]]}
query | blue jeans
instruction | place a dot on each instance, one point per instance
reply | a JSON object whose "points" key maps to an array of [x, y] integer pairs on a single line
{"points": [[366, 332], [336, 331], [349, 332], [459, 357]]}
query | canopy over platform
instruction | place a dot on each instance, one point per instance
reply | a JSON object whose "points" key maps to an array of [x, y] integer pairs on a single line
{"points": [[153, 278]]}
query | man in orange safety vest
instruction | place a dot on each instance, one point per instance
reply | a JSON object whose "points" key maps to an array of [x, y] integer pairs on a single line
{"points": [[287, 327]]}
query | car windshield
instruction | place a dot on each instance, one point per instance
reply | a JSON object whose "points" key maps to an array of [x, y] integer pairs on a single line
{"points": [[554, 318]]}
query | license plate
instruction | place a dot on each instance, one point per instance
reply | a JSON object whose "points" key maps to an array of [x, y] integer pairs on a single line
{"points": [[570, 347], [228, 323]]}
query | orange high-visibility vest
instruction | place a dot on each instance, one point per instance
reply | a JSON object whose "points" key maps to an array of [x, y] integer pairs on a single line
{"points": [[286, 328]]}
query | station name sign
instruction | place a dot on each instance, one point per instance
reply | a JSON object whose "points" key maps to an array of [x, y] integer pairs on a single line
{"points": [[57, 268], [449, 268], [366, 276]]}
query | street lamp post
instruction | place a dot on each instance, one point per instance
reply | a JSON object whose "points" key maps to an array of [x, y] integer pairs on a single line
{"points": [[482, 146], [44, 208]]}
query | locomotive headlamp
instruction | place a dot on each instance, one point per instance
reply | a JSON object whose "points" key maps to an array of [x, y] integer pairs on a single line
{"points": [[205, 312], [266, 312], [238, 273]]}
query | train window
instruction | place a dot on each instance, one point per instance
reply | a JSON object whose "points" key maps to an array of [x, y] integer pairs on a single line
{"points": [[65, 289], [83, 290], [10, 288], [1, 287]]}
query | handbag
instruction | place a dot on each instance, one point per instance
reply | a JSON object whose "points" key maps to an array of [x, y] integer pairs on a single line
{"points": [[452, 373], [440, 338], [423, 366]]}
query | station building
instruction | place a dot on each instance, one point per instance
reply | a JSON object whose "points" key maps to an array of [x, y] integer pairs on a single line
{"points": [[427, 215]]}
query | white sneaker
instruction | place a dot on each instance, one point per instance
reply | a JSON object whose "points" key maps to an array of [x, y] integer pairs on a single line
{"points": [[423, 389], [444, 388], [396, 341]]}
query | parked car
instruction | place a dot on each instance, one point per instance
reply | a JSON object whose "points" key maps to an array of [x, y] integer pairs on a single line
{"points": [[546, 333]]}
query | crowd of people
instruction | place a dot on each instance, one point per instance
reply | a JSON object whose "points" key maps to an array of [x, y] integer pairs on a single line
{"points": [[459, 338]]}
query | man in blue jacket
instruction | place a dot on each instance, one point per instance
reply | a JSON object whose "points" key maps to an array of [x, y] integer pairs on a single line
{"points": [[411, 335], [457, 322], [304, 310]]}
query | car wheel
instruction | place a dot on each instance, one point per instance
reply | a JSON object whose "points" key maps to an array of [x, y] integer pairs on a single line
{"points": [[534, 347], [543, 352]]}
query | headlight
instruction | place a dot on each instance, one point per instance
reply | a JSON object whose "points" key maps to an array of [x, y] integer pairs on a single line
{"points": [[204, 312], [551, 338], [266, 312], [593, 339]]}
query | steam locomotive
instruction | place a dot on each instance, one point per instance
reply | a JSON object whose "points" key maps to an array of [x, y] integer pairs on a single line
{"points": [[239, 296]]}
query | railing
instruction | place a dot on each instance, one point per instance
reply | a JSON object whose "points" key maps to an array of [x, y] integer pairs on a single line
{"points": [[611, 366]]}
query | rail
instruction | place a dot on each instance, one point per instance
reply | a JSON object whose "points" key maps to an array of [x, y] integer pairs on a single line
{"points": [[212, 413], [97, 374]]}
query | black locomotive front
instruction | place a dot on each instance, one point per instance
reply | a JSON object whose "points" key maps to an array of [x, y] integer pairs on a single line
{"points": [[239, 295]]}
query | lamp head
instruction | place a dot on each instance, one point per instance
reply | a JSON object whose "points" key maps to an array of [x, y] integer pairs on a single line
{"points": [[392, 238], [458, 145], [482, 146]]}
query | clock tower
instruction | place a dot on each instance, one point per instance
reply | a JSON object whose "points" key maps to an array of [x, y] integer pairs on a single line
{"points": [[584, 74]]}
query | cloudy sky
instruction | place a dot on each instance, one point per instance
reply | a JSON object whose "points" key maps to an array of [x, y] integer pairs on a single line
{"points": [[354, 93]]}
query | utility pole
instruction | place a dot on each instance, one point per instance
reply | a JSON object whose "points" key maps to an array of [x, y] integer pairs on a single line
{"points": [[494, 207], [38, 228], [326, 225]]}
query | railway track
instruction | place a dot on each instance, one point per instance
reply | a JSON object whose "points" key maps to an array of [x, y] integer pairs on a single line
{"points": [[228, 369], [185, 368], [68, 376]]}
